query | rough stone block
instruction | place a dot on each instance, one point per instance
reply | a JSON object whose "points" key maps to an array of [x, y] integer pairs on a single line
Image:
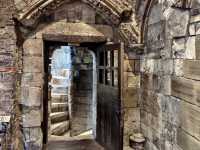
{"points": [[131, 97], [178, 67], [131, 80], [129, 65], [165, 85], [192, 29], [197, 45], [131, 123], [186, 141], [156, 37], [31, 118], [190, 52], [7, 60], [7, 81], [186, 89], [191, 69], [178, 48], [176, 22], [33, 79], [184, 48], [189, 117], [32, 64], [156, 14], [31, 96], [33, 138], [33, 47]]}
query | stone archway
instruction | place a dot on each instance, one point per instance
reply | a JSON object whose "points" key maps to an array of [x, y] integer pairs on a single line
{"points": [[33, 65], [45, 22]]}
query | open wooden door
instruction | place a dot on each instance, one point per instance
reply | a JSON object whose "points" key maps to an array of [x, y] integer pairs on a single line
{"points": [[109, 96]]}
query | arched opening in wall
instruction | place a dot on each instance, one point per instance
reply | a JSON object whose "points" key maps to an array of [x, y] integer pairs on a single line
{"points": [[77, 25], [69, 92]]}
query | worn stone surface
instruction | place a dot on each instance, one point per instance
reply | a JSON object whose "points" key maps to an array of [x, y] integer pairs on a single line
{"points": [[32, 118], [186, 89], [31, 96], [177, 21], [169, 62]]}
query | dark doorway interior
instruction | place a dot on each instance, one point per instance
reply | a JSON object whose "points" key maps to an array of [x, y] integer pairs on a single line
{"points": [[109, 116], [68, 92]]}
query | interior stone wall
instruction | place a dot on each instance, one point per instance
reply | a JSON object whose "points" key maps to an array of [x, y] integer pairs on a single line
{"points": [[8, 67], [82, 92], [169, 67], [131, 87]]}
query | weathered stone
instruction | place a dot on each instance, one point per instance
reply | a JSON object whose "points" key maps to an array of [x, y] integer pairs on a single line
{"points": [[191, 69], [179, 48], [188, 90], [165, 85], [31, 119], [33, 138], [129, 65], [31, 96], [190, 52], [192, 29], [33, 47], [182, 137], [197, 45], [33, 64], [155, 37], [131, 80], [131, 97], [157, 66], [195, 19], [156, 14], [189, 117], [7, 81], [178, 67], [33, 79], [177, 21], [131, 124]]}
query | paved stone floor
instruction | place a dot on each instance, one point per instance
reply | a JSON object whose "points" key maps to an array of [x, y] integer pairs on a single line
{"points": [[87, 144], [82, 142]]}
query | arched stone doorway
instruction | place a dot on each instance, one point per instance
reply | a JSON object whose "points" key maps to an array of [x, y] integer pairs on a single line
{"points": [[86, 29]]}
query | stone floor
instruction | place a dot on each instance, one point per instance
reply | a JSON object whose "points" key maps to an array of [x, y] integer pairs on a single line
{"points": [[82, 142], [87, 144]]}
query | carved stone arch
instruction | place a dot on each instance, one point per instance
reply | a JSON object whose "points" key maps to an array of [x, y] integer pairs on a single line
{"points": [[111, 10], [143, 28], [165, 4]]}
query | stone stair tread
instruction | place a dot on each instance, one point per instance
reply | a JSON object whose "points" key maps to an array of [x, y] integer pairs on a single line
{"points": [[59, 103], [58, 113], [59, 107], [59, 116], [60, 128]]}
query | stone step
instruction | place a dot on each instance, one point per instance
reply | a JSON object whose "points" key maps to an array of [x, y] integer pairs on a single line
{"points": [[59, 107], [59, 98], [59, 117], [60, 128]]}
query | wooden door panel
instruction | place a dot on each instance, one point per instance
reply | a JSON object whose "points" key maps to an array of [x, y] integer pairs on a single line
{"points": [[109, 97]]}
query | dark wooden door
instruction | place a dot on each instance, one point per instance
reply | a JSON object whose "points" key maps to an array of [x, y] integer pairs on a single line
{"points": [[109, 96]]}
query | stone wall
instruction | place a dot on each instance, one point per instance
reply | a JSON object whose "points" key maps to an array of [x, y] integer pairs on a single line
{"points": [[170, 77], [7, 60], [131, 87]]}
